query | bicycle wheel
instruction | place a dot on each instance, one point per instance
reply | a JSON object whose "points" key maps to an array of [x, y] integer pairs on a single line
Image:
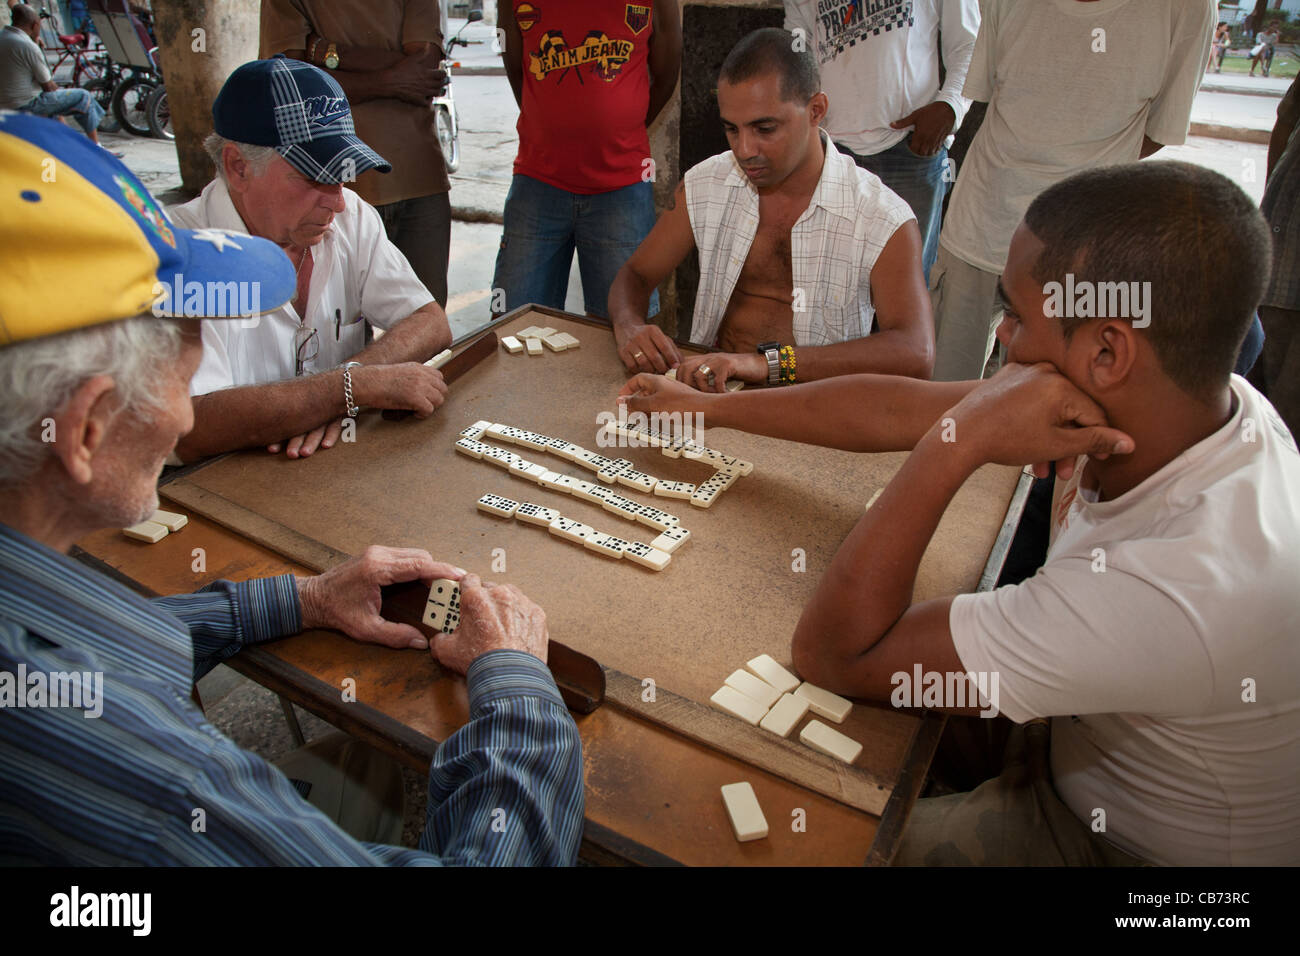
{"points": [[158, 115], [102, 90], [447, 139], [85, 69], [129, 102]]}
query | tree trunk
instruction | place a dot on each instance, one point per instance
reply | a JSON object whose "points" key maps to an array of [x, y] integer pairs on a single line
{"points": [[200, 43]]}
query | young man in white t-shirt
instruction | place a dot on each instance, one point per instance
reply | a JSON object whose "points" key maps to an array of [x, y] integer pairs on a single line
{"points": [[1162, 636], [1071, 84]]}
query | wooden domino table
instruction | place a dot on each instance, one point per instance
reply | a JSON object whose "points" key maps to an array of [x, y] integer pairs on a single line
{"points": [[735, 590]]}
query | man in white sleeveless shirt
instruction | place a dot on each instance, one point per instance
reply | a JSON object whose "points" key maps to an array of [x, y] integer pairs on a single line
{"points": [[800, 249]]}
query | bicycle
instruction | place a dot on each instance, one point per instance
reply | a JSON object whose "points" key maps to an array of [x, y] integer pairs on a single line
{"points": [[102, 88], [73, 48]]}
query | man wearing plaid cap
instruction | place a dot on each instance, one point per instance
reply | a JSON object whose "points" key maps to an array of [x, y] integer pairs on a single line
{"points": [[283, 146]]}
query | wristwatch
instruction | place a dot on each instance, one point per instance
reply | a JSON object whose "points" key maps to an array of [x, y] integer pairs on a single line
{"points": [[353, 410], [332, 56], [772, 352]]}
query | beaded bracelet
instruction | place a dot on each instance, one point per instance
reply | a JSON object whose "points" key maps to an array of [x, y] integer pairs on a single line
{"points": [[787, 365]]}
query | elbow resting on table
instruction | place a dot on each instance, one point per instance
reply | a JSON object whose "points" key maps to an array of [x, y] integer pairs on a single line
{"points": [[812, 653]]}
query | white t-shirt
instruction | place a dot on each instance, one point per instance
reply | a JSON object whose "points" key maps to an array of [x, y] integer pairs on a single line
{"points": [[1058, 104], [356, 270], [1144, 665], [879, 62]]}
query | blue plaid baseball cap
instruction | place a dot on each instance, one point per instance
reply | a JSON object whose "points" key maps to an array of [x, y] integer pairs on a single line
{"points": [[301, 112]]}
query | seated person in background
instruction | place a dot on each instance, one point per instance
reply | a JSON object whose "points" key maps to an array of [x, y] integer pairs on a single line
{"points": [[1162, 636], [799, 247], [122, 788], [25, 80], [275, 380]]}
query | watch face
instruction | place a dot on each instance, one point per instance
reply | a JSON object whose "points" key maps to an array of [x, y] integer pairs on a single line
{"points": [[332, 60]]}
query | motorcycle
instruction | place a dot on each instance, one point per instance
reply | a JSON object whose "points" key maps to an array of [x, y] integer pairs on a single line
{"points": [[445, 115]]}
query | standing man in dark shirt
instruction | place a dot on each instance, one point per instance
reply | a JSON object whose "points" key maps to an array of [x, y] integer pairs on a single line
{"points": [[387, 55], [1277, 374], [589, 77]]}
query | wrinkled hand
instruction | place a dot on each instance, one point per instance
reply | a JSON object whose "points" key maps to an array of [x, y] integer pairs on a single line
{"points": [[416, 79], [407, 385], [303, 446], [932, 125], [493, 617], [347, 598], [724, 366], [1032, 414], [646, 348], [655, 393]]}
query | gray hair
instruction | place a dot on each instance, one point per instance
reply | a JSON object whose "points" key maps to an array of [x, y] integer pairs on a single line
{"points": [[257, 157], [37, 378]]}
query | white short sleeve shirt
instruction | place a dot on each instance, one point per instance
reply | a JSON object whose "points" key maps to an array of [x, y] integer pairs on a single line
{"points": [[357, 273], [1163, 638]]}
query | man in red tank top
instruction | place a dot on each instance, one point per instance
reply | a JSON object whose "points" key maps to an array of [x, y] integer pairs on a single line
{"points": [[589, 77]]}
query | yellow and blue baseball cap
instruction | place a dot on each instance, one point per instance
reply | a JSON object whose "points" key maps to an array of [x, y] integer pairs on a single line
{"points": [[84, 243]]}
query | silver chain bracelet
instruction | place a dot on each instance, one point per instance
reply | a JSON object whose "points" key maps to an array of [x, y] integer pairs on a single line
{"points": [[352, 410]]}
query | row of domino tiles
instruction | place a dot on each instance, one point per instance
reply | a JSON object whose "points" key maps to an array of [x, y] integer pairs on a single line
{"points": [[653, 555], [609, 470]]}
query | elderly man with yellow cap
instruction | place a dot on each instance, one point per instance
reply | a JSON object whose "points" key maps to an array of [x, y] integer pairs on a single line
{"points": [[284, 146], [110, 769]]}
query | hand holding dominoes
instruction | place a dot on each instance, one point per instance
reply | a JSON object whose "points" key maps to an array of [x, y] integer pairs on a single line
{"points": [[408, 386], [1031, 414], [347, 598], [484, 617]]}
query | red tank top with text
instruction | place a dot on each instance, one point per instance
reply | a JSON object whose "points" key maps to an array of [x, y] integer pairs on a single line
{"points": [[586, 89]]}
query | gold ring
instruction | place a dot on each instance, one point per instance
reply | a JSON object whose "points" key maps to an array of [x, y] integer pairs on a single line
{"points": [[705, 370], [638, 355]]}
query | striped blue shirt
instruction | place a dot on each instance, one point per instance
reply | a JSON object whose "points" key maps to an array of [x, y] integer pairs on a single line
{"points": [[147, 780]]}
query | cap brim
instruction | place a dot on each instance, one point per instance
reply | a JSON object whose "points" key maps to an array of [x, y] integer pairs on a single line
{"points": [[334, 159], [225, 275]]}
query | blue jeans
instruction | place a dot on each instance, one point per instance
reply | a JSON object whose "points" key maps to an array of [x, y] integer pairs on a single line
{"points": [[919, 182], [543, 226], [80, 103]]}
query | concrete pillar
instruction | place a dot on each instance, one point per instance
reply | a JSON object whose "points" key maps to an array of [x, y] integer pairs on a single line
{"points": [[665, 133], [200, 43]]}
